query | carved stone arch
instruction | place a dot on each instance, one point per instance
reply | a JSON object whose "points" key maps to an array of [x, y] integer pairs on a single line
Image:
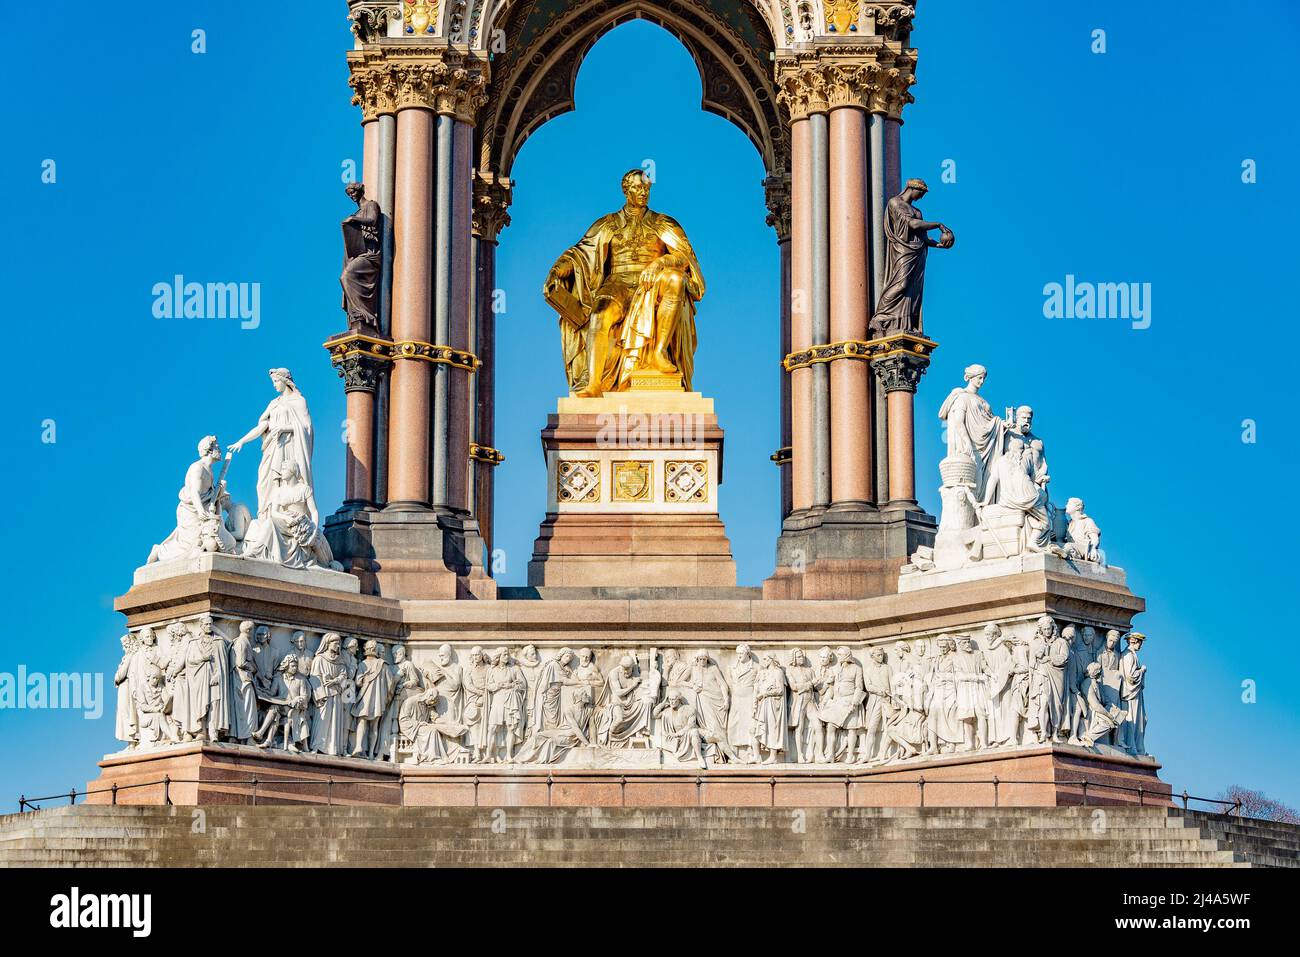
{"points": [[534, 79]]}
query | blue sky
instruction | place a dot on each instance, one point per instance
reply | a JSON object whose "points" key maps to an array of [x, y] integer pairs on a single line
{"points": [[1117, 167]]}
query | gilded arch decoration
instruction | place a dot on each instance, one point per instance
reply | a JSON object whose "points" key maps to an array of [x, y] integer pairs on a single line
{"points": [[544, 42]]}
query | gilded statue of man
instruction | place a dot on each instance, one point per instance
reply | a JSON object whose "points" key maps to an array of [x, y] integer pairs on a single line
{"points": [[626, 296]]}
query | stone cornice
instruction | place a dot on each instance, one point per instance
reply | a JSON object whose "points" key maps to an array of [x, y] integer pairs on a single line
{"points": [[402, 74], [873, 77]]}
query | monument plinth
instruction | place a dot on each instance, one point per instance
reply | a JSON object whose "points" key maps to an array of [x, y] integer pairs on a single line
{"points": [[632, 494]]}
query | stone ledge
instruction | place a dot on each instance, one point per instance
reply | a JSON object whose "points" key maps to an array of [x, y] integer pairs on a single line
{"points": [[249, 568]]}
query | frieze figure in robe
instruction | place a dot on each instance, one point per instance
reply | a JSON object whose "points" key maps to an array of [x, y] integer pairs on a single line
{"points": [[298, 648], [1111, 679], [847, 712], [771, 716], [947, 733], [971, 670], [807, 732], [435, 738], [824, 687], [905, 733], [243, 671], [331, 697], [1133, 673], [289, 535], [907, 240], [201, 667], [445, 675], [621, 714], [507, 711], [407, 681], [362, 262], [200, 527], [740, 723], [548, 733], [1008, 681], [152, 703], [680, 729], [375, 687], [1051, 665], [877, 680], [141, 662], [712, 707], [1102, 719], [626, 296], [128, 728], [288, 702], [677, 671], [477, 691]]}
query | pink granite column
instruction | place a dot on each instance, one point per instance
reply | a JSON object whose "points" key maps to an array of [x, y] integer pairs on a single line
{"points": [[370, 158], [850, 379], [408, 454], [801, 317], [360, 486], [902, 482]]}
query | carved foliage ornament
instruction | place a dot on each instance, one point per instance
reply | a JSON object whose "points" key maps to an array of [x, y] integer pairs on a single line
{"points": [[444, 80]]}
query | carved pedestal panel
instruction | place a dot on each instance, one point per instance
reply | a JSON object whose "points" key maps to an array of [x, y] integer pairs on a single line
{"points": [[632, 494]]}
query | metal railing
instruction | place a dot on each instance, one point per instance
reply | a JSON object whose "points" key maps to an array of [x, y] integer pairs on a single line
{"points": [[268, 786]]}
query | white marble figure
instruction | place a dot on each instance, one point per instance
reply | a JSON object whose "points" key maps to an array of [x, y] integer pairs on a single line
{"points": [[434, 738], [1102, 719], [128, 726], [508, 692], [244, 685], [805, 729], [477, 702], [200, 527], [287, 714], [153, 702], [1083, 537], [878, 681], [740, 721], [407, 681], [375, 686], [200, 669], [1017, 485], [770, 714], [621, 713], [974, 432], [712, 708], [846, 713], [681, 731], [1132, 733], [333, 693]]}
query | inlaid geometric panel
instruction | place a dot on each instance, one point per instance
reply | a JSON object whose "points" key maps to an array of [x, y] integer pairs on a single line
{"points": [[632, 481], [686, 481], [578, 481]]}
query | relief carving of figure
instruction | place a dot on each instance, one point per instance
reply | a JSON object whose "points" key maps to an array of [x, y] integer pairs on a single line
{"points": [[332, 693], [771, 717], [740, 724]]}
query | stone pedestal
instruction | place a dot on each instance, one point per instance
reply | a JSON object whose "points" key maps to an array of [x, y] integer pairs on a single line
{"points": [[411, 553], [839, 553], [632, 494]]}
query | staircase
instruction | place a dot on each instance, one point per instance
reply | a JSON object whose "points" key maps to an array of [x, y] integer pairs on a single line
{"points": [[281, 836]]}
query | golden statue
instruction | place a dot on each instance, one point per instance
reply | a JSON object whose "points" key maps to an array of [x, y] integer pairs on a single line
{"points": [[626, 296]]}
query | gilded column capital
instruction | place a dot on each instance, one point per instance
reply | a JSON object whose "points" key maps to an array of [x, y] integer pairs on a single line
{"points": [[871, 76], [444, 79], [776, 188], [491, 213]]}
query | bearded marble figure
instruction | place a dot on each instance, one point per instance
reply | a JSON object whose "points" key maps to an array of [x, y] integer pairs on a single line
{"points": [[970, 670], [1017, 483], [626, 296], [621, 714], [332, 697], [445, 675], [201, 669], [824, 700], [1006, 704], [199, 525], [712, 706], [434, 738], [140, 662], [679, 729], [947, 733], [740, 721], [1109, 658]]}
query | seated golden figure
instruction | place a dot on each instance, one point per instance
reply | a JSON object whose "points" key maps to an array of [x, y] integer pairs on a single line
{"points": [[626, 296]]}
